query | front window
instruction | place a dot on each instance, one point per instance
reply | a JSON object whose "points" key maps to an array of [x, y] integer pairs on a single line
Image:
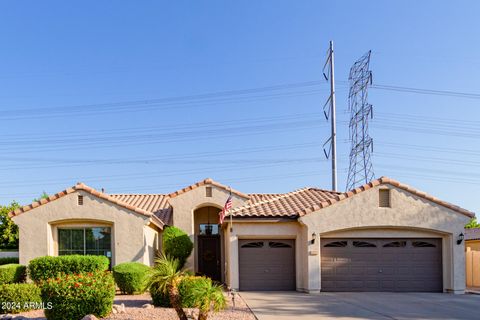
{"points": [[92, 241], [209, 229]]}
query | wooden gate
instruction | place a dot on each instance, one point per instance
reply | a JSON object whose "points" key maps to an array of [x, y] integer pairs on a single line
{"points": [[472, 259]]}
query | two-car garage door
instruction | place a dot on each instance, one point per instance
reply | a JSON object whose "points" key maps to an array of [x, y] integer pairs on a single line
{"points": [[408, 265]]}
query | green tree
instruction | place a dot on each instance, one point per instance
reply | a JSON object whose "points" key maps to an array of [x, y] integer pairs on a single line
{"points": [[472, 224], [164, 279], [44, 195], [8, 229]]}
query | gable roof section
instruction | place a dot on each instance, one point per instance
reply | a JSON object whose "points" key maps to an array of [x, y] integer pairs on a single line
{"points": [[305, 201], [283, 205], [92, 191], [206, 182], [156, 203]]}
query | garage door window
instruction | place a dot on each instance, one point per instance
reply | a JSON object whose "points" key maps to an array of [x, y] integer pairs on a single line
{"points": [[273, 244], [336, 244], [395, 244], [258, 244], [363, 244], [423, 244]]}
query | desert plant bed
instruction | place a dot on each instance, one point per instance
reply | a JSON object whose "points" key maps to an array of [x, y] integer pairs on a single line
{"points": [[135, 310]]}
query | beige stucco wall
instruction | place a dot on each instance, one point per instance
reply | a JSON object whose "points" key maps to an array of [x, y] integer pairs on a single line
{"points": [[186, 203], [37, 227], [265, 230], [151, 244], [409, 216]]}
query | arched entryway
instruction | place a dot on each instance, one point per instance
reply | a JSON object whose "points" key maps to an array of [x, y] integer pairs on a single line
{"points": [[208, 259]]}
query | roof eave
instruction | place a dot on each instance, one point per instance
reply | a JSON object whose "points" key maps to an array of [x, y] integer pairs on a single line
{"points": [[78, 187]]}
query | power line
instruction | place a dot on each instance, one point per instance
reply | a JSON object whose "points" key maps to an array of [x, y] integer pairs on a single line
{"points": [[222, 97], [159, 174]]}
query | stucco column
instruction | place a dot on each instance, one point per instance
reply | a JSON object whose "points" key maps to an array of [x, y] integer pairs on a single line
{"points": [[311, 254], [458, 253], [232, 264], [313, 262]]}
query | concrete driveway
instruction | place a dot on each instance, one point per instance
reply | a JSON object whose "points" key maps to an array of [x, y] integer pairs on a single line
{"points": [[355, 306]]}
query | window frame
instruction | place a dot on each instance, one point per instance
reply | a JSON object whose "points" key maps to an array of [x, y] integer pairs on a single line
{"points": [[85, 249]]}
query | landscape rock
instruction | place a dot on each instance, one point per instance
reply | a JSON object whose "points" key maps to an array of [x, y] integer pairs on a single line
{"points": [[118, 308], [147, 306], [90, 317]]}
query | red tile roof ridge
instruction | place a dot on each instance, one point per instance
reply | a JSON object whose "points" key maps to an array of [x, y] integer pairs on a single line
{"points": [[394, 183], [207, 181], [137, 194], [83, 187]]}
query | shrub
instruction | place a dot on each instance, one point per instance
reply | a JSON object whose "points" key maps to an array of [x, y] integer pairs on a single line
{"points": [[130, 277], [44, 268], [201, 293], [177, 244], [12, 273], [75, 296], [19, 297], [185, 287], [8, 260]]}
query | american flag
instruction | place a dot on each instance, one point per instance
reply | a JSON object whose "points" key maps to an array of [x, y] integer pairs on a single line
{"points": [[226, 207]]}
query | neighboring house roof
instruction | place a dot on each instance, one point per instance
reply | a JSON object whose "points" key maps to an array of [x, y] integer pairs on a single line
{"points": [[472, 234], [102, 195], [305, 201]]}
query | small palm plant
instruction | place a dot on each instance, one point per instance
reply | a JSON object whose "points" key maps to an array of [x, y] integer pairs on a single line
{"points": [[164, 278], [202, 293]]}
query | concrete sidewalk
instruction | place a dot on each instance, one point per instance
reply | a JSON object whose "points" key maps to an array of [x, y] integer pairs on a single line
{"points": [[357, 306]]}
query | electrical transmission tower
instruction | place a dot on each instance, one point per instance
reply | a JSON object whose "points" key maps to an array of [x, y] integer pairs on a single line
{"points": [[361, 169], [330, 112]]}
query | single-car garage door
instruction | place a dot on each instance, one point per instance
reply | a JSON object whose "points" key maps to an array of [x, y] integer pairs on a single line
{"points": [[267, 265], [408, 265]]}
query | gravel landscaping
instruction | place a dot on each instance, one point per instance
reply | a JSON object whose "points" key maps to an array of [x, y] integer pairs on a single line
{"points": [[137, 308]]}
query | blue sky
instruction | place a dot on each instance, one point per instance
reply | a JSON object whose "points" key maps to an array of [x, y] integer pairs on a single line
{"points": [[151, 96]]}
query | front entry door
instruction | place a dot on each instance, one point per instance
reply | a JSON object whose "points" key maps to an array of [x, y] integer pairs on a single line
{"points": [[209, 260]]}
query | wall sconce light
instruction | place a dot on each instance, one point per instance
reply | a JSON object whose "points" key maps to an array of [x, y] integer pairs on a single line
{"points": [[314, 236], [460, 238]]}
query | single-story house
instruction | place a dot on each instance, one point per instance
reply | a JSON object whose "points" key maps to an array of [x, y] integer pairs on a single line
{"points": [[472, 248], [382, 236]]}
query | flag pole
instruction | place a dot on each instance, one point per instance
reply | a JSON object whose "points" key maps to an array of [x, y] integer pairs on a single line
{"points": [[231, 218]]}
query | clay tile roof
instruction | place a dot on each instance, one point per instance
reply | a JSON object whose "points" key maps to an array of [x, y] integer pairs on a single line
{"points": [[102, 195], [155, 203], [293, 204], [257, 197], [283, 205], [304, 201], [392, 182], [207, 181]]}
